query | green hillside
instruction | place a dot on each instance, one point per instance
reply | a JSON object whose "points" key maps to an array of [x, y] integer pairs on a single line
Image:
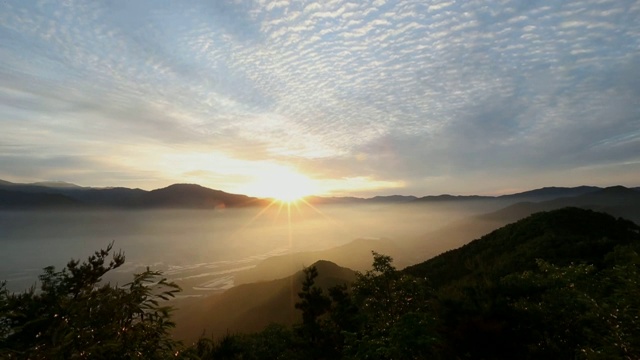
{"points": [[561, 237], [563, 284], [558, 284]]}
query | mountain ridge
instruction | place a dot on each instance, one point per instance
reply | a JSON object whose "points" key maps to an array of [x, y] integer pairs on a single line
{"points": [[544, 226], [617, 201], [71, 196], [487, 297], [194, 196], [542, 287]]}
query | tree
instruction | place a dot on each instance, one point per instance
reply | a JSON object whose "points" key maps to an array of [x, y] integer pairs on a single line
{"points": [[579, 311], [75, 315], [313, 304], [396, 316]]}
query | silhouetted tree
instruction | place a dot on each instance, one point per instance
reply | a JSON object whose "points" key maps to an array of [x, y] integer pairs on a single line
{"points": [[576, 311], [396, 316], [313, 304], [74, 315]]}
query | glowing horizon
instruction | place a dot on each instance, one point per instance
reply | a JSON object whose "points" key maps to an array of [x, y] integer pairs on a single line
{"points": [[365, 98]]}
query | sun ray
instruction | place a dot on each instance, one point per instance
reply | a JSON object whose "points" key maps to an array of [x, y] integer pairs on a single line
{"points": [[282, 184], [280, 206], [327, 217], [293, 202], [258, 215]]}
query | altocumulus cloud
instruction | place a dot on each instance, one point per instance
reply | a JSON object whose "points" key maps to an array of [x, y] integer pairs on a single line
{"points": [[428, 94]]}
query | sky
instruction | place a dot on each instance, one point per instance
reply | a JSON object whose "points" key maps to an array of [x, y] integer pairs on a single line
{"points": [[363, 97]]}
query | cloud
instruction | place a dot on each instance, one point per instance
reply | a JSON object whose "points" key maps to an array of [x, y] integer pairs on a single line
{"points": [[398, 91]]}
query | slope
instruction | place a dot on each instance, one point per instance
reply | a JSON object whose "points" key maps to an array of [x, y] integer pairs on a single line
{"points": [[194, 196], [251, 307], [617, 201], [561, 237], [558, 284], [185, 196], [355, 255], [11, 199]]}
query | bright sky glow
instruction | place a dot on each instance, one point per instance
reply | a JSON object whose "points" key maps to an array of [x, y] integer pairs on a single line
{"points": [[367, 97], [282, 185]]}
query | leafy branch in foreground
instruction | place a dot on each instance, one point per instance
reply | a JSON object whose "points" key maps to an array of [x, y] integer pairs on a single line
{"points": [[384, 314], [579, 312], [74, 315]]}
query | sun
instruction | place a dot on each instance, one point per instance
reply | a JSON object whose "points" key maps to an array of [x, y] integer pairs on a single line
{"points": [[283, 185]]}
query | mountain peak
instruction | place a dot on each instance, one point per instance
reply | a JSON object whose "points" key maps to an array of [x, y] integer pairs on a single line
{"points": [[56, 184], [618, 189]]}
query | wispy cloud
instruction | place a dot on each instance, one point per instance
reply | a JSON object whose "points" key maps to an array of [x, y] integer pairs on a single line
{"points": [[397, 91]]}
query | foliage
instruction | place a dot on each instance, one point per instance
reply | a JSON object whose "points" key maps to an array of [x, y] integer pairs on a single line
{"points": [[75, 315], [313, 303], [575, 311], [274, 342], [396, 319], [563, 284], [561, 237], [383, 315]]}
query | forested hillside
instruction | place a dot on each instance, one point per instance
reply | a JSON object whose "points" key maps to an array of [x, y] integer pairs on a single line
{"points": [[559, 284]]}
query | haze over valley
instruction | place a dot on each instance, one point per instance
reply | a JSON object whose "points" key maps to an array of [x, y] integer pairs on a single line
{"points": [[190, 241], [208, 240], [305, 179]]}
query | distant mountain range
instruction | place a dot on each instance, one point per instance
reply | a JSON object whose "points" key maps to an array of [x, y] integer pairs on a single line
{"points": [[615, 200], [546, 193], [70, 196], [552, 235], [618, 201], [63, 195]]}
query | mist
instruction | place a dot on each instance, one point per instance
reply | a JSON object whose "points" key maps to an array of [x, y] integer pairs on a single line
{"points": [[203, 250]]}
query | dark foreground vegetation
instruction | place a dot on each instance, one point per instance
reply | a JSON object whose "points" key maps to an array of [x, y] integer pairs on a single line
{"points": [[563, 284]]}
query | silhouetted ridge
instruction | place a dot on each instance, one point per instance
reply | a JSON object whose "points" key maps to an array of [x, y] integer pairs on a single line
{"points": [[26, 200], [616, 190], [191, 195], [448, 197], [194, 196], [188, 196], [542, 194], [617, 201], [392, 198], [353, 255], [251, 307], [57, 184], [561, 237], [553, 192], [118, 197]]}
